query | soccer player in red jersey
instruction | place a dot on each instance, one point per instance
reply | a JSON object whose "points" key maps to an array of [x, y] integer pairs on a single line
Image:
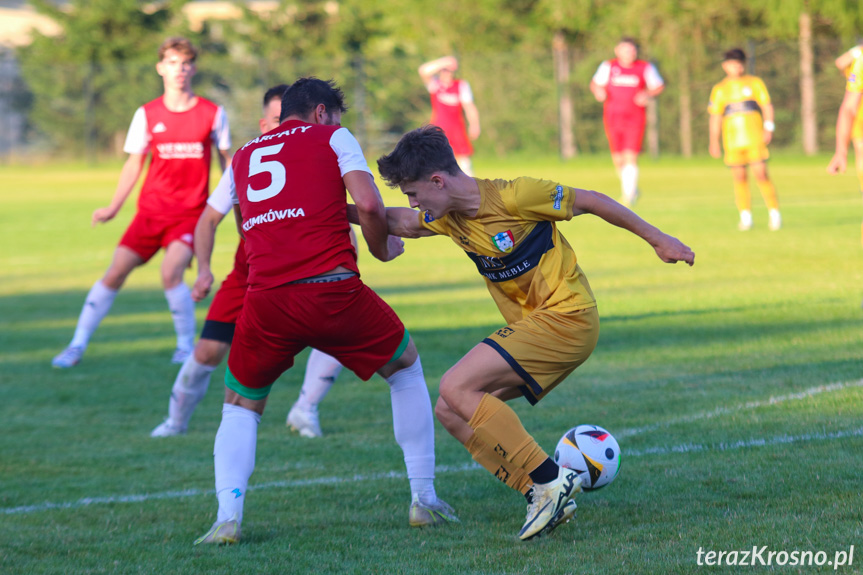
{"points": [[193, 379], [449, 97], [178, 131], [624, 85], [305, 290]]}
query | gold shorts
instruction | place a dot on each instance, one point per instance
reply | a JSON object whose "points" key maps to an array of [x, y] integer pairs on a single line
{"points": [[746, 155], [546, 346]]}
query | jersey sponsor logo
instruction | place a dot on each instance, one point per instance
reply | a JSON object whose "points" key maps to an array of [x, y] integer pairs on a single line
{"points": [[504, 241], [180, 150], [448, 99], [624, 80], [283, 134], [741, 107], [747, 91], [159, 128], [557, 196], [427, 217], [272, 216], [523, 258]]}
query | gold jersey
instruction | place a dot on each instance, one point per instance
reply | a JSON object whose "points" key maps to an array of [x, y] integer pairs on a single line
{"points": [[739, 101], [854, 76], [513, 241]]}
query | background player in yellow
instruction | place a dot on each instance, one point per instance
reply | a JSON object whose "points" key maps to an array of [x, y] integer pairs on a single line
{"points": [[507, 229], [740, 109], [851, 63]]}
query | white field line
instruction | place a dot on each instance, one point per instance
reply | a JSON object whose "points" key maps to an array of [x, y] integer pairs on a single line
{"points": [[720, 411], [683, 448]]}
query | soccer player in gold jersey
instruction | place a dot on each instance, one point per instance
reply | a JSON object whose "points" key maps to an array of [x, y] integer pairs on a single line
{"points": [[849, 125], [508, 230], [740, 109]]}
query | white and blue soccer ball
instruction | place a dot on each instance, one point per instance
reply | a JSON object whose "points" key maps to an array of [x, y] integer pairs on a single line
{"points": [[592, 452]]}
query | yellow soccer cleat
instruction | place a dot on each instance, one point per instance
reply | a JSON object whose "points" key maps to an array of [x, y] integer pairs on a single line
{"points": [[549, 503], [437, 513], [222, 533]]}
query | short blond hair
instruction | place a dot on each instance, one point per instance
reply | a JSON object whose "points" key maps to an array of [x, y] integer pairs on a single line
{"points": [[178, 44]]}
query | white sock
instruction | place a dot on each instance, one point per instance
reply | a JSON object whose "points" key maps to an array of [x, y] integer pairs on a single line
{"points": [[189, 388], [413, 425], [234, 458], [96, 307], [321, 372], [629, 181], [183, 311]]}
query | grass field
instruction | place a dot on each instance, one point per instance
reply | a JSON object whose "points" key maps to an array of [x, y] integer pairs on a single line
{"points": [[734, 388]]}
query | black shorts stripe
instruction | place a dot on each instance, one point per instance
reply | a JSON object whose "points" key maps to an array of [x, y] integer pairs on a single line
{"points": [[218, 331], [532, 385]]}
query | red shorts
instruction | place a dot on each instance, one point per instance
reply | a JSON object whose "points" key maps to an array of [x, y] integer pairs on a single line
{"points": [[625, 131], [146, 235], [344, 319], [228, 301]]}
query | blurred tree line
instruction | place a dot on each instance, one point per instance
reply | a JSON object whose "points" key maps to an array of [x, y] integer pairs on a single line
{"points": [[529, 63]]}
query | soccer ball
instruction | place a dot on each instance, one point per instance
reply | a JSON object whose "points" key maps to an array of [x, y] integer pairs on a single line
{"points": [[592, 452]]}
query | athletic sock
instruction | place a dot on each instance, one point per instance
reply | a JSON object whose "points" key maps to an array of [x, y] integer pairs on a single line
{"points": [[511, 476], [189, 388], [629, 181], [768, 192], [496, 424], [321, 372], [742, 197], [413, 426], [96, 307], [234, 458], [183, 311], [546, 472]]}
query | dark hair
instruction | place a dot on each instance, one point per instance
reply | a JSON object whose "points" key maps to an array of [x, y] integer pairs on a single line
{"points": [[418, 154], [629, 40], [735, 54], [275, 92], [304, 95], [178, 44]]}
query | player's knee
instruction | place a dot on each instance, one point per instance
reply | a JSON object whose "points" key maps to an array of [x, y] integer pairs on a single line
{"points": [[114, 279], [445, 414], [210, 352]]}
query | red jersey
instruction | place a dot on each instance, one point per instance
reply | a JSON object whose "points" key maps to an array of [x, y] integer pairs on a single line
{"points": [[622, 83], [177, 181], [294, 203], [447, 113]]}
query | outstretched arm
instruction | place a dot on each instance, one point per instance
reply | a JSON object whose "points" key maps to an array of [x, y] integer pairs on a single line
{"points": [[844, 122], [668, 248], [428, 70], [371, 215], [205, 237], [401, 222], [128, 178]]}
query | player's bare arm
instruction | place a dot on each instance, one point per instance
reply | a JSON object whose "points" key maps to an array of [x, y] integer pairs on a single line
{"points": [[371, 214], [847, 58], [472, 115], [668, 248], [598, 91], [205, 237], [428, 70], [767, 115], [128, 178], [401, 222], [844, 121], [224, 159], [715, 131]]}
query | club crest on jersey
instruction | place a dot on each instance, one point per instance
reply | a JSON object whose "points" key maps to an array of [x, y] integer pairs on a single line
{"points": [[427, 217], [504, 241], [747, 91], [159, 128]]}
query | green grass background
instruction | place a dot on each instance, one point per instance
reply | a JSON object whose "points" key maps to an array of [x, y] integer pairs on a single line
{"points": [[686, 357]]}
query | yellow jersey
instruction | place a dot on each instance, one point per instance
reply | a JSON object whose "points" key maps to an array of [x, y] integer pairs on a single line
{"points": [[739, 101], [854, 76], [516, 246]]}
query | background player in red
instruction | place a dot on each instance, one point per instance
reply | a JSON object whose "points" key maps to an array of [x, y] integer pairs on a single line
{"points": [[193, 379], [178, 130], [624, 85], [449, 97], [305, 290]]}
